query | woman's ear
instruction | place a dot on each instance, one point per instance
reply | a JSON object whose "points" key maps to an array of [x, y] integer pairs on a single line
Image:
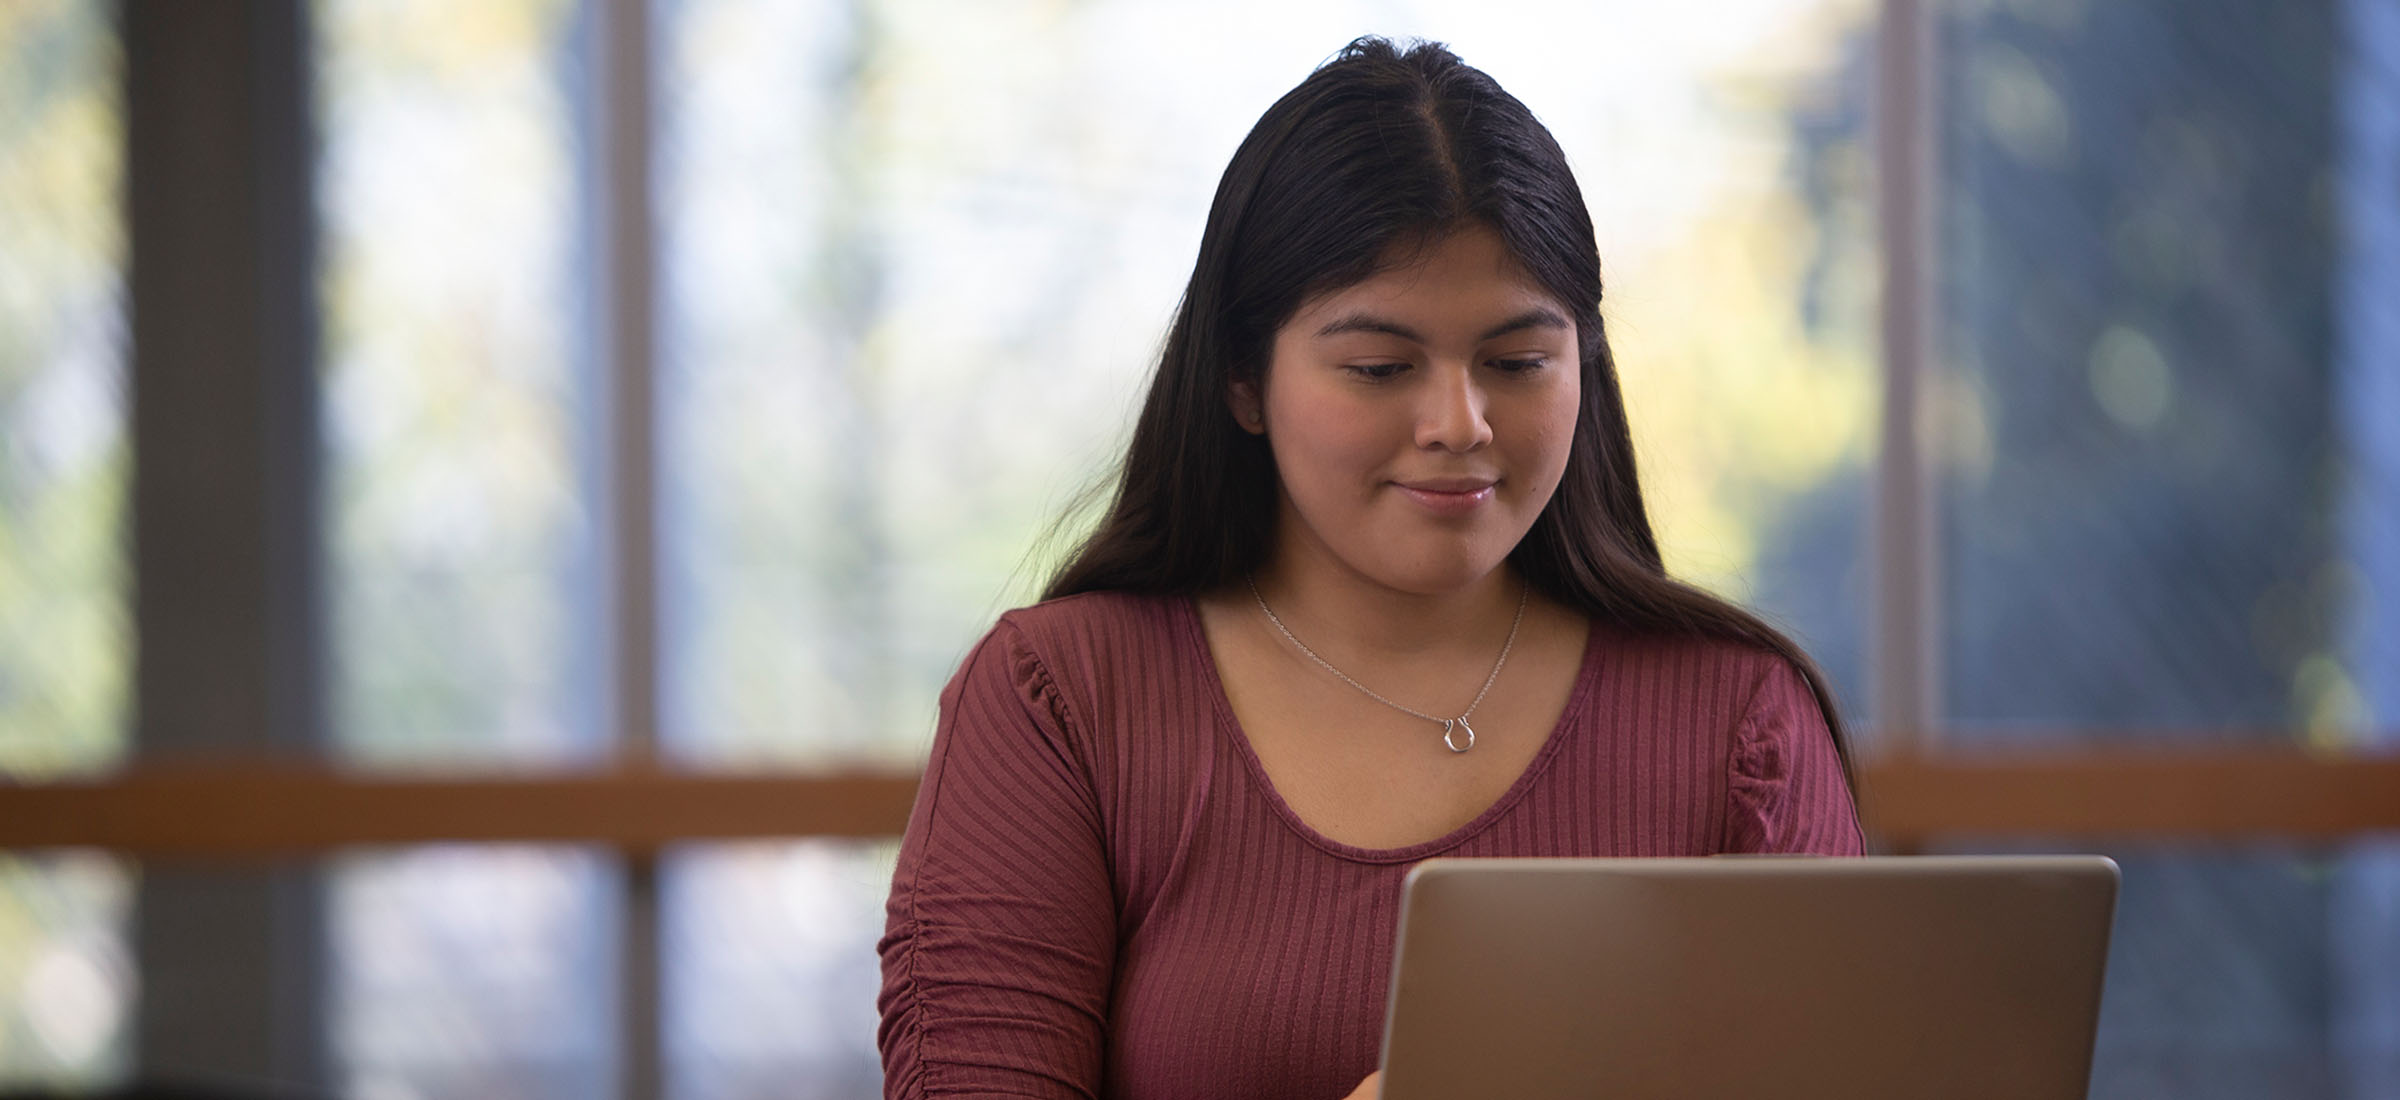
{"points": [[1249, 411]]}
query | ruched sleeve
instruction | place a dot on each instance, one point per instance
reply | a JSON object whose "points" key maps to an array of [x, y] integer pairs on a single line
{"points": [[1786, 789], [1000, 933]]}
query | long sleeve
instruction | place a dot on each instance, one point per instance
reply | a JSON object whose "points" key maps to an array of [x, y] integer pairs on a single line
{"points": [[1786, 788], [1000, 936]]}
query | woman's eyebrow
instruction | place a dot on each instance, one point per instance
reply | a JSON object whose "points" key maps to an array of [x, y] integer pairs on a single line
{"points": [[1537, 317], [1368, 322]]}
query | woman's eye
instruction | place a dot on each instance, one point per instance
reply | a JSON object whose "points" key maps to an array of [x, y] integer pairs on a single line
{"points": [[1520, 366], [1377, 371]]}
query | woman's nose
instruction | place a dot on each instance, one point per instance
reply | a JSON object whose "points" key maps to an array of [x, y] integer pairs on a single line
{"points": [[1450, 414]]}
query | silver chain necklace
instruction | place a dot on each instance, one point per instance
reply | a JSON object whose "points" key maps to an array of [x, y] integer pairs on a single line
{"points": [[1450, 726]]}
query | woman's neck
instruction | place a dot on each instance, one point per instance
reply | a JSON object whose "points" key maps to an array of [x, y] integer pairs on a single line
{"points": [[1338, 609]]}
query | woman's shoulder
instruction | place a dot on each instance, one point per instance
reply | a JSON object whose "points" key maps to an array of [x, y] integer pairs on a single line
{"points": [[1711, 678], [1098, 637], [1107, 617]]}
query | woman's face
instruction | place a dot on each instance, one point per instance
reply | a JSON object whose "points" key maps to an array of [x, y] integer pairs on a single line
{"points": [[1421, 419]]}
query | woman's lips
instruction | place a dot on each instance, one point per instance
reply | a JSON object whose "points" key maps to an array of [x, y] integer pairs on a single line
{"points": [[1448, 497]]}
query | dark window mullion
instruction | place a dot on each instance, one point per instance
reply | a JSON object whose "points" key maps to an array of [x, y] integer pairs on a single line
{"points": [[219, 186], [1906, 662], [614, 148]]}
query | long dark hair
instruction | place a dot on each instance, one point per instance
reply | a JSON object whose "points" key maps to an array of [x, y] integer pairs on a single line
{"points": [[1381, 147]]}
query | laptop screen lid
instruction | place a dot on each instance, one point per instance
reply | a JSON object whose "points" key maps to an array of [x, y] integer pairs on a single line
{"points": [[1862, 978]]}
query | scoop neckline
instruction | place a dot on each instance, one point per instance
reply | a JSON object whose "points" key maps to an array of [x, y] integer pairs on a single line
{"points": [[1587, 675]]}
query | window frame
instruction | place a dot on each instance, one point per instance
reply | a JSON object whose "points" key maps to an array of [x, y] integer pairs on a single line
{"points": [[245, 807]]}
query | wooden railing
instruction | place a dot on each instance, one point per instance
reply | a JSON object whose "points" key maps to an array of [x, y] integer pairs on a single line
{"points": [[269, 811]]}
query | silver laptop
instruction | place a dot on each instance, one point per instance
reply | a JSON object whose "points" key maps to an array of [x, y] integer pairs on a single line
{"points": [[1866, 979]]}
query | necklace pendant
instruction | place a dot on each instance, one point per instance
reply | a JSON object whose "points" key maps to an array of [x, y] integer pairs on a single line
{"points": [[1450, 728]]}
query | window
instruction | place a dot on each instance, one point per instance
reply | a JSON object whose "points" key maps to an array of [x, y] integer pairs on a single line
{"points": [[65, 982], [2163, 510], [909, 262], [460, 435]]}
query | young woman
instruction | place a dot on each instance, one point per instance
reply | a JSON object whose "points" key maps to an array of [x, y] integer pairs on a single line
{"points": [[1376, 585]]}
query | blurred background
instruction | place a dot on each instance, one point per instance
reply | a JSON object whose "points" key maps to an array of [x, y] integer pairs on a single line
{"points": [[748, 348]]}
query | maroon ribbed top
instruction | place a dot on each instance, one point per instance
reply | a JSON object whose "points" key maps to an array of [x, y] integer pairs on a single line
{"points": [[1101, 894]]}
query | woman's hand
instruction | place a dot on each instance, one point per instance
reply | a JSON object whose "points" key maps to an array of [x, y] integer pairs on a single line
{"points": [[1369, 1089]]}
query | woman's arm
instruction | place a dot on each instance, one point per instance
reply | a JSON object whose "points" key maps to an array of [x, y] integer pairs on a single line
{"points": [[1786, 791], [1000, 935]]}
